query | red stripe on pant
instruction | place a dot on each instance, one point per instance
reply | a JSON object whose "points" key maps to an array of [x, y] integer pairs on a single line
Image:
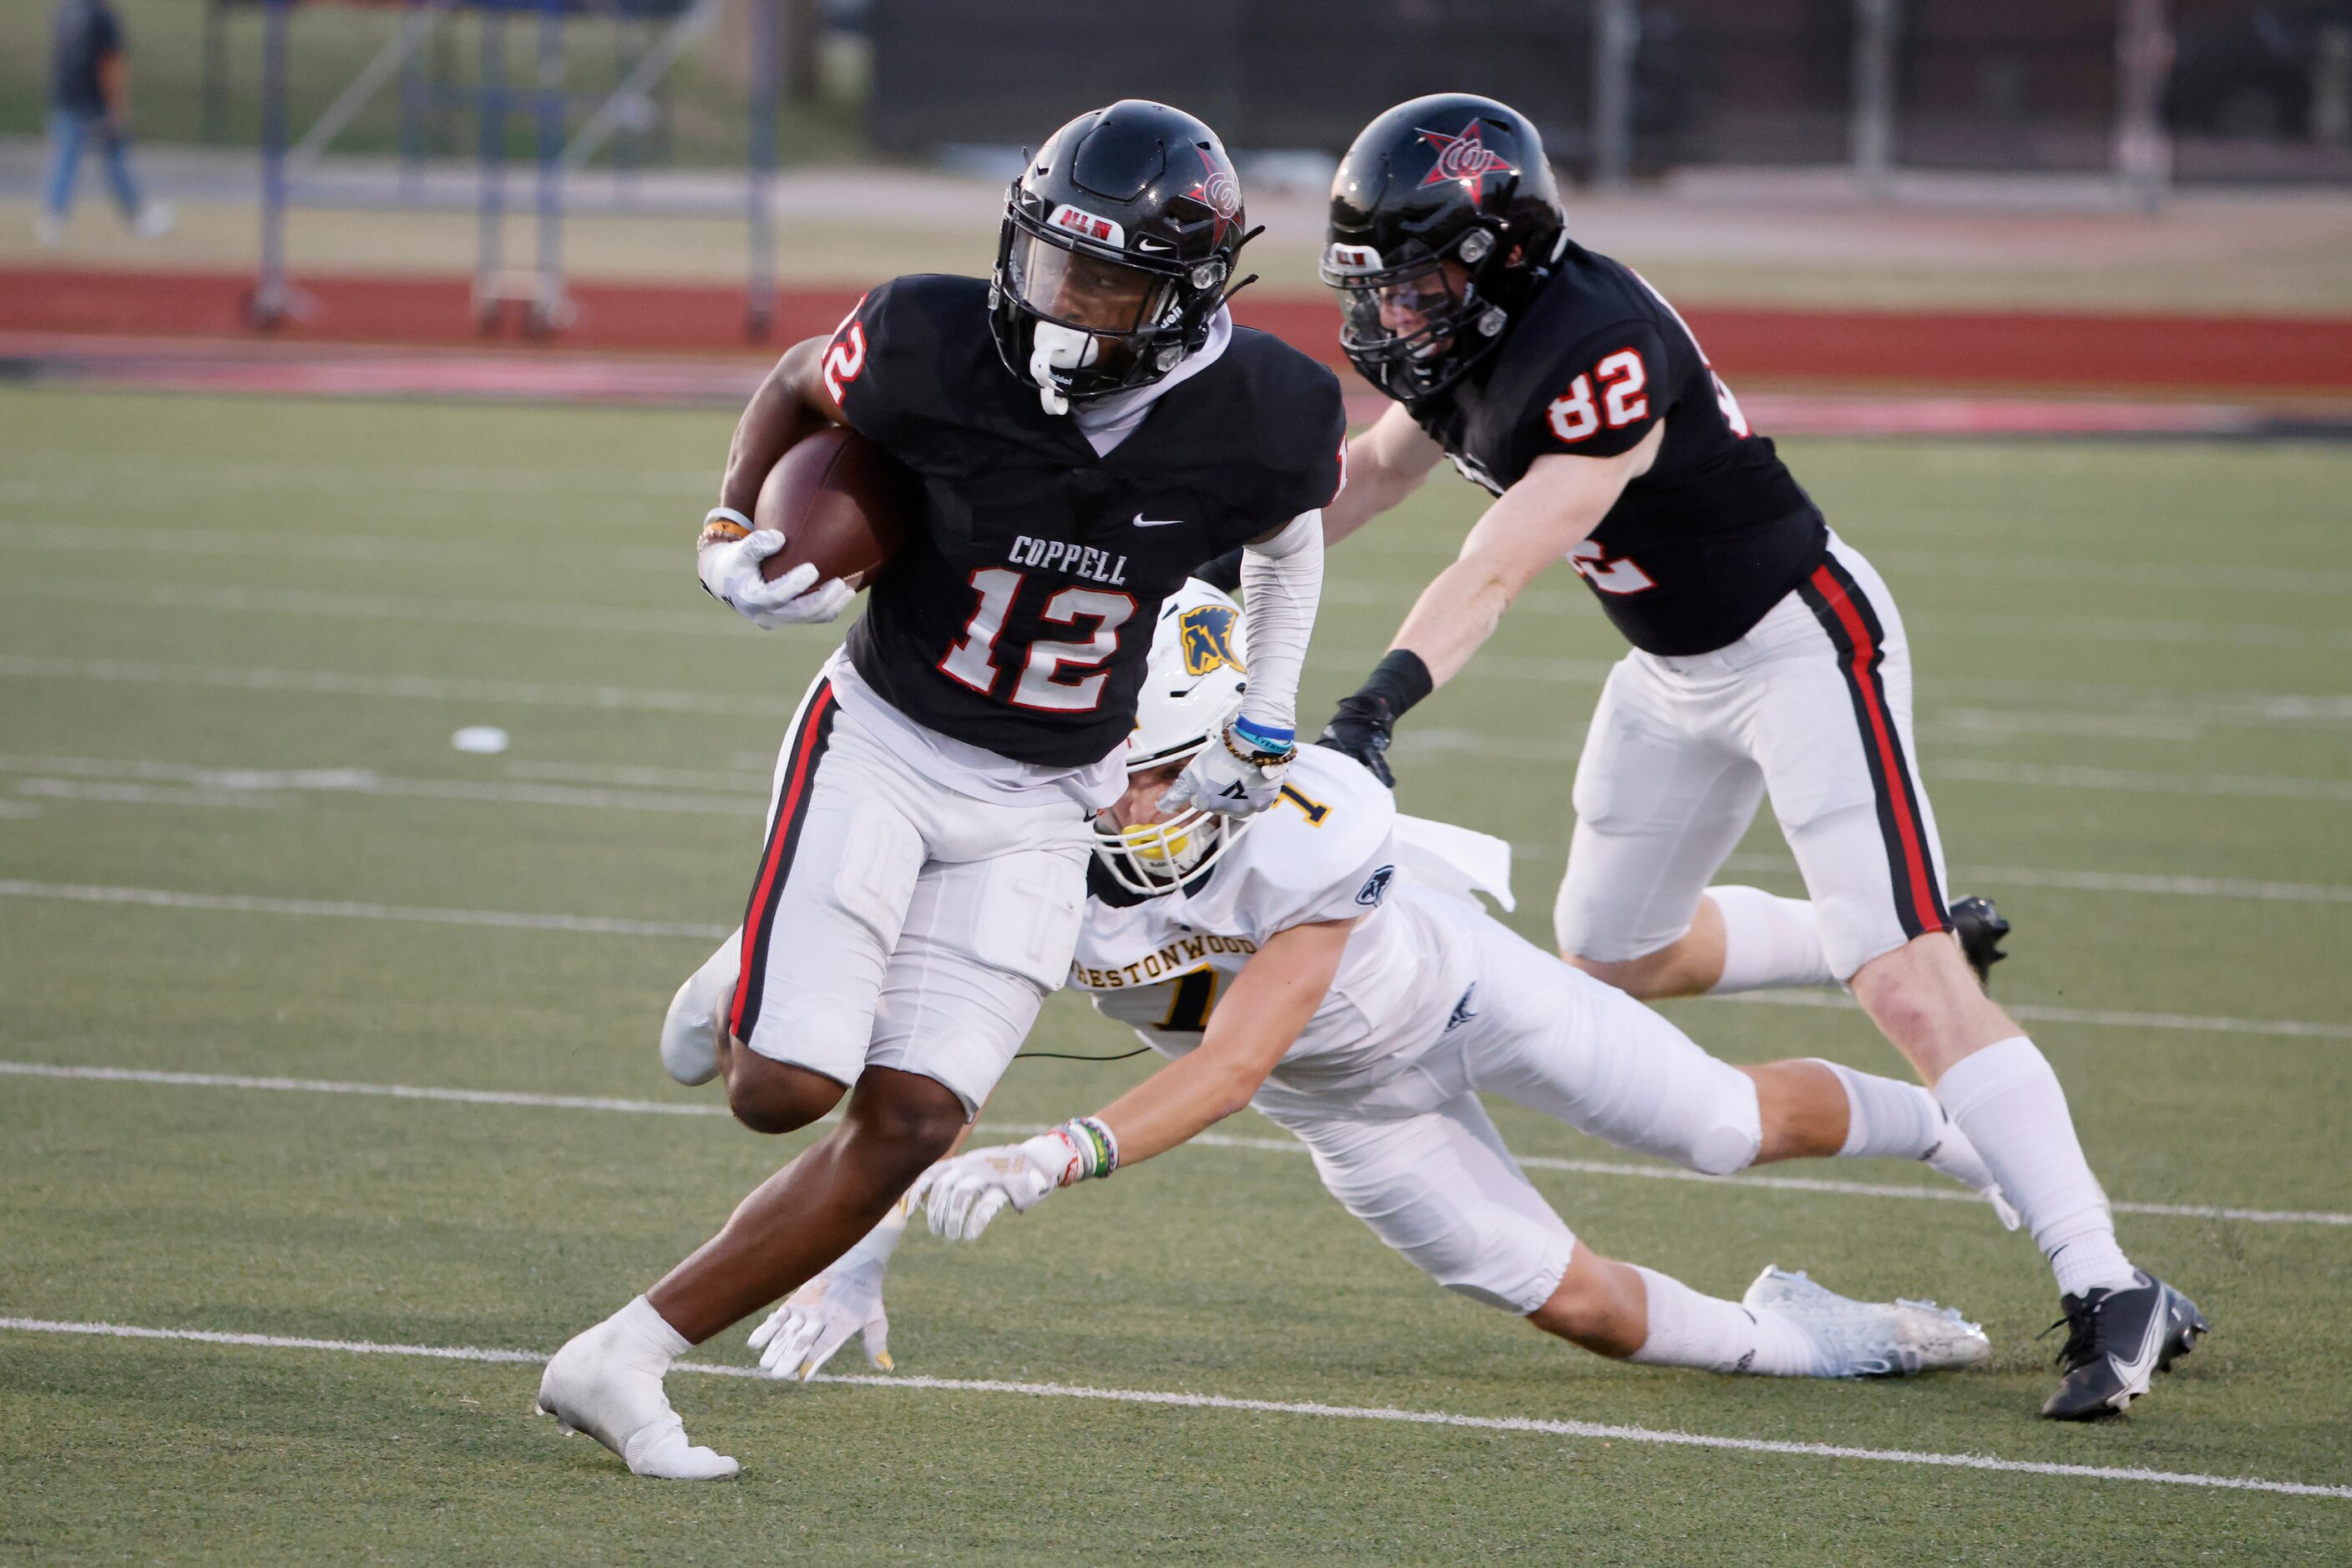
{"points": [[1862, 671], [782, 836]]}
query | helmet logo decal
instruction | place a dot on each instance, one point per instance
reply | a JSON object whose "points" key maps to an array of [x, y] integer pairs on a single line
{"points": [[1087, 226], [1219, 192], [1208, 634], [1466, 158]]}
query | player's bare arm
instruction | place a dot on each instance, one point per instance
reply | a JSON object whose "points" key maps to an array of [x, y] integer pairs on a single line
{"points": [[1272, 999], [1385, 464], [792, 403], [732, 551], [1551, 510], [1539, 521]]}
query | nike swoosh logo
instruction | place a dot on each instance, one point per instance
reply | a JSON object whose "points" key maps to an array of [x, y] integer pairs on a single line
{"points": [[1143, 521], [2136, 1373]]}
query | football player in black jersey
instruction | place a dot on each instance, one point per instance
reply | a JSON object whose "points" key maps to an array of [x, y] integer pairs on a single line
{"points": [[1767, 657], [1086, 426]]}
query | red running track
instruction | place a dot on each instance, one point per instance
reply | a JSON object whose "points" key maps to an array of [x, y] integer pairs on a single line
{"points": [[1939, 348]]}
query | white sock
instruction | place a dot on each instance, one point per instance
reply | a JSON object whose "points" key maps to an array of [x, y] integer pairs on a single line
{"points": [[2009, 1102], [645, 1337], [1768, 942], [1886, 1116], [1687, 1329]]}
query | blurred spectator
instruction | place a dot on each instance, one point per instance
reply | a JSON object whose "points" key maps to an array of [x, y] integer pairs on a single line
{"points": [[90, 95]]}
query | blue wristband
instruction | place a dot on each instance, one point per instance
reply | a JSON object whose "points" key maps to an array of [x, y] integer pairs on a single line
{"points": [[1266, 737]]}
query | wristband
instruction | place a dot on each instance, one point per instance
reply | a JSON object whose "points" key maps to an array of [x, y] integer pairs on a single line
{"points": [[723, 525], [1096, 1145], [1400, 679], [1266, 737]]}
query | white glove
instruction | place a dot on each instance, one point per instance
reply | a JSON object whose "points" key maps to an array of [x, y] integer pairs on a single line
{"points": [[730, 574], [801, 1335], [962, 1194], [1217, 780]]}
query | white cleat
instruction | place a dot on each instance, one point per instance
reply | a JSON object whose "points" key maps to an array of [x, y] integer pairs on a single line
{"points": [[590, 1386], [1870, 1339], [690, 1032], [154, 220], [1956, 1157]]}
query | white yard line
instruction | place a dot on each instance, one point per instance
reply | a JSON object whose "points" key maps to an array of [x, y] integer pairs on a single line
{"points": [[2103, 1018], [323, 909], [1996, 877], [421, 687], [1207, 1140], [1601, 1431], [131, 781], [2153, 702], [157, 897], [704, 621], [2268, 786]]}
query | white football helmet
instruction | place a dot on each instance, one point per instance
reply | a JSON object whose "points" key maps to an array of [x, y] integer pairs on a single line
{"points": [[1192, 682]]}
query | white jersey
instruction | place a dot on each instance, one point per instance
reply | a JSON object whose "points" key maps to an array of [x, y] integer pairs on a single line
{"points": [[1326, 852]]}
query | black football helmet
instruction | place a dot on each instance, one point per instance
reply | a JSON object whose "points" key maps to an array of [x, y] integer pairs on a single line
{"points": [[1117, 246], [1445, 218]]}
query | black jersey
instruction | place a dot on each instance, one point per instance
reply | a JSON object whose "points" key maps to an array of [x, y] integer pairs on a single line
{"points": [[1018, 615], [1698, 548]]}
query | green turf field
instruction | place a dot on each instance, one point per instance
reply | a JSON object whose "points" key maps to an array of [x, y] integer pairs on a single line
{"points": [[236, 638]]}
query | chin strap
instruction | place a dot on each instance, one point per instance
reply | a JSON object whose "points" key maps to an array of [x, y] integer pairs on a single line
{"points": [[1057, 347]]}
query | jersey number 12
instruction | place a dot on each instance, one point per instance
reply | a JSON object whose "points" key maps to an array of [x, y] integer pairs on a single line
{"points": [[1043, 685]]}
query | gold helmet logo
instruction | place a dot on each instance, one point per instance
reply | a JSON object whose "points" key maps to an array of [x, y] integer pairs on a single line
{"points": [[1208, 634]]}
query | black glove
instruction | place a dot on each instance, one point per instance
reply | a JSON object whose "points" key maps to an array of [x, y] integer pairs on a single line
{"points": [[1361, 729]]}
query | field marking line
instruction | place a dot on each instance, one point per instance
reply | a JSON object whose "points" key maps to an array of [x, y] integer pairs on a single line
{"points": [[1206, 1140], [2103, 1018], [2184, 719], [2240, 708], [235, 601], [422, 688], [158, 898], [914, 1384], [2264, 786], [328, 909], [362, 781], [128, 782], [2267, 787], [2103, 882]]}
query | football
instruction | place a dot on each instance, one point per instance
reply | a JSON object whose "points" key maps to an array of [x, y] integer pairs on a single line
{"points": [[840, 501]]}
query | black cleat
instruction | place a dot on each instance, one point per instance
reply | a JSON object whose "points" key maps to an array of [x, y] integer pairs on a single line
{"points": [[2117, 1342], [1979, 927]]}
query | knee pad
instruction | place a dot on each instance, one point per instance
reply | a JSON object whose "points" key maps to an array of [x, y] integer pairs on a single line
{"points": [[1726, 1135]]}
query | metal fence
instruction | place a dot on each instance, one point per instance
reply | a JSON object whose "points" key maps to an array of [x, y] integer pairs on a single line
{"points": [[2220, 88]]}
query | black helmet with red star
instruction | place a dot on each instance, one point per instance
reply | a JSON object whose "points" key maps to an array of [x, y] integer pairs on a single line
{"points": [[1444, 216], [1118, 244]]}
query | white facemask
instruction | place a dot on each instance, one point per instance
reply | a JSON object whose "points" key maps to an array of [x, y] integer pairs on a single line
{"points": [[1057, 347]]}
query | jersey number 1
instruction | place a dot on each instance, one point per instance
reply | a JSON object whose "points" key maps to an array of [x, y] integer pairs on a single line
{"points": [[1043, 687]]}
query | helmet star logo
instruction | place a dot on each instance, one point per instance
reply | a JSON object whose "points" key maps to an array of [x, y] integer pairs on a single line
{"points": [[1466, 158]]}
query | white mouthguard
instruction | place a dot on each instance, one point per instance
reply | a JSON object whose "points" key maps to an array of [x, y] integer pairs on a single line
{"points": [[1055, 347]]}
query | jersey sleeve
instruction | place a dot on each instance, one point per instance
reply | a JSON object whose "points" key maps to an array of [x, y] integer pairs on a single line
{"points": [[883, 360], [1298, 438], [1602, 395]]}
